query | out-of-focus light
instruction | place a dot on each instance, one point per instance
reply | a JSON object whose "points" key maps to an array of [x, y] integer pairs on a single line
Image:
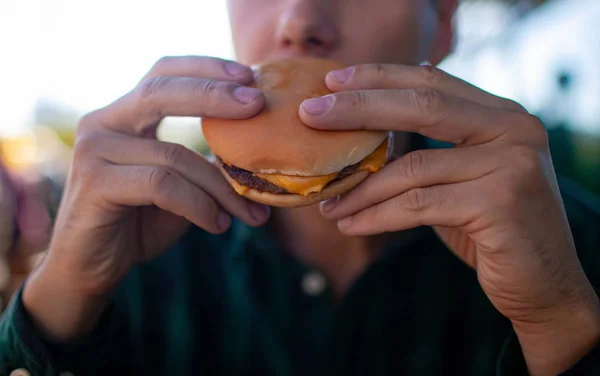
{"points": [[20, 152], [527, 59], [37, 149]]}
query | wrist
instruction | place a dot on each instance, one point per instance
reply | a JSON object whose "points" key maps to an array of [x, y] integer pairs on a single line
{"points": [[561, 337], [59, 310]]}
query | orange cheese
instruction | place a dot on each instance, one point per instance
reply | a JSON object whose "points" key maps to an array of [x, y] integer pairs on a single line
{"points": [[302, 185], [240, 189], [376, 160]]}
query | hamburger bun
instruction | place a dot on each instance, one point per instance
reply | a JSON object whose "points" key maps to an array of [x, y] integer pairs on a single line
{"points": [[276, 141]]}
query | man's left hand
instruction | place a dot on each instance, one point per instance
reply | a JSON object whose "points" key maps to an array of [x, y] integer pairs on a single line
{"points": [[493, 198]]}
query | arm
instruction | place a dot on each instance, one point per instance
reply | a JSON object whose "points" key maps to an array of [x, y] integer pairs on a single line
{"points": [[493, 198], [128, 197], [23, 346]]}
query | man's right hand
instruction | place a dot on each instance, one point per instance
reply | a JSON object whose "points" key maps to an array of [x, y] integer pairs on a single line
{"points": [[129, 196]]}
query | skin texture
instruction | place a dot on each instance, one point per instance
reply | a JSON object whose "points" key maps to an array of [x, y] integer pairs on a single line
{"points": [[129, 197], [478, 196], [493, 198]]}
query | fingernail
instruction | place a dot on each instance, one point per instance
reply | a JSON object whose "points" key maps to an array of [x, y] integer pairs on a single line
{"points": [[236, 70], [245, 95], [259, 212], [344, 223], [318, 106], [223, 221], [343, 75], [329, 205]]}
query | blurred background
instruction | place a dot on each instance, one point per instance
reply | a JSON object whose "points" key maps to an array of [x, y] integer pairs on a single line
{"points": [[62, 58]]}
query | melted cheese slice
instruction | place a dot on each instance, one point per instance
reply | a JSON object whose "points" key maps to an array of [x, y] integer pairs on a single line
{"points": [[240, 189], [299, 184], [376, 160], [305, 185]]}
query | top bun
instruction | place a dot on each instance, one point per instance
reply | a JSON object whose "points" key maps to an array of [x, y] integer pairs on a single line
{"points": [[276, 141]]}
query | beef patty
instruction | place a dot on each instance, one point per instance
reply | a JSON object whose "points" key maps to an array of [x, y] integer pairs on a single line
{"points": [[247, 178]]}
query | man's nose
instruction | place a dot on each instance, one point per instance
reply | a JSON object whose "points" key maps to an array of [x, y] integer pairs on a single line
{"points": [[307, 26]]}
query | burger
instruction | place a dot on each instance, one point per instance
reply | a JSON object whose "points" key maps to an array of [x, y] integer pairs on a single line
{"points": [[275, 159]]}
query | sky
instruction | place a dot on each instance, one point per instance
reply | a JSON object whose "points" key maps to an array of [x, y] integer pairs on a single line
{"points": [[87, 53]]}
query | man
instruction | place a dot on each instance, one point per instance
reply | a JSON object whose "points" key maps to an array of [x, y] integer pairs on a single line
{"points": [[361, 285]]}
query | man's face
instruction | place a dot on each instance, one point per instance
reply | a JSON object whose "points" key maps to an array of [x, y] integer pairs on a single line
{"points": [[352, 31]]}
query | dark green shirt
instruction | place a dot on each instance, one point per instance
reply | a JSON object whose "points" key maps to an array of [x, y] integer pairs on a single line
{"points": [[235, 304]]}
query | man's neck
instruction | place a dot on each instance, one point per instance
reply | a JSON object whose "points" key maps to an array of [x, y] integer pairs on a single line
{"points": [[317, 242]]}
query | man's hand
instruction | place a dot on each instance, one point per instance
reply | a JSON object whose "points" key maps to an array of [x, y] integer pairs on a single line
{"points": [[129, 196], [493, 198]]}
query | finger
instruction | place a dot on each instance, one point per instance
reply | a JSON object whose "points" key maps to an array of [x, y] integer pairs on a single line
{"points": [[440, 205], [124, 150], [426, 111], [158, 97], [394, 76], [164, 188], [201, 67], [421, 168]]}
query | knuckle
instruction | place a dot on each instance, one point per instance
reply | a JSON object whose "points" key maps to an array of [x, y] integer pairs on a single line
{"points": [[523, 176], [526, 160], [87, 121], [161, 181], [85, 145], [515, 106], [416, 163], [530, 129], [410, 166], [147, 89], [83, 169], [211, 91], [359, 100], [428, 100], [535, 129], [376, 70], [431, 74], [173, 153], [414, 200], [210, 88]]}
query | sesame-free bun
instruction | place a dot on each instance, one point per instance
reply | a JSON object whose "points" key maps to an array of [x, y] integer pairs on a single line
{"points": [[293, 200], [276, 141]]}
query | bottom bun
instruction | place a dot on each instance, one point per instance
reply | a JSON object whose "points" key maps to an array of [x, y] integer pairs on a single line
{"points": [[294, 200]]}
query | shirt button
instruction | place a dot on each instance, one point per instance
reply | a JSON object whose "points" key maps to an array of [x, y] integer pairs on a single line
{"points": [[314, 283], [20, 372]]}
